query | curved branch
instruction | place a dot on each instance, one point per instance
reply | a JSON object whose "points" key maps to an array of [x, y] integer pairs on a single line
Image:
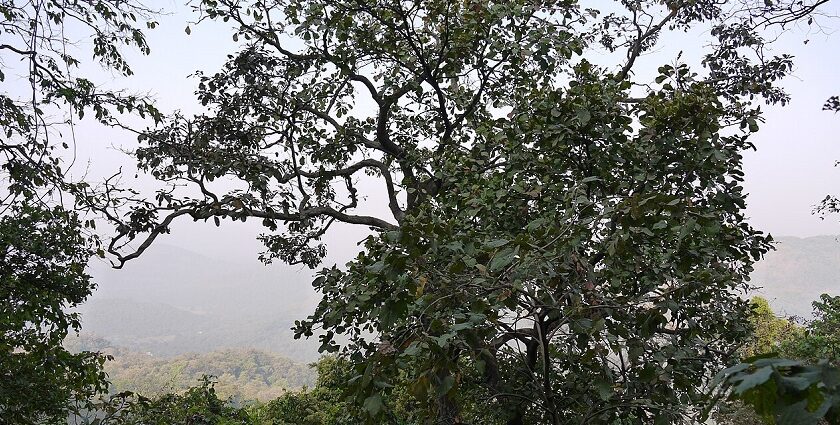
{"points": [[203, 212], [638, 44], [393, 204]]}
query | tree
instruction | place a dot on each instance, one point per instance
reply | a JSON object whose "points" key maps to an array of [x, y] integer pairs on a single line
{"points": [[324, 404], [784, 391], [830, 204], [564, 241], [821, 339], [42, 262], [832, 104], [798, 382], [197, 405], [770, 332], [45, 243]]}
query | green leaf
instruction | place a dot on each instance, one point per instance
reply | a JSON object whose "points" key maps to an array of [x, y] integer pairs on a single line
{"points": [[583, 116], [724, 374], [748, 381], [373, 404], [604, 389], [446, 384], [502, 259], [496, 243]]}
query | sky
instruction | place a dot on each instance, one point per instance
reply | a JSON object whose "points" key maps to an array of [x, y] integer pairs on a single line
{"points": [[791, 170], [793, 165]]}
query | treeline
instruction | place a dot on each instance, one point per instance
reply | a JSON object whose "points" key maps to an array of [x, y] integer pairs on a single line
{"points": [[240, 375], [240, 390], [328, 402]]}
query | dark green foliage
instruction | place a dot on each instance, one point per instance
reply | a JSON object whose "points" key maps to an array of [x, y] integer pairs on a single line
{"points": [[832, 104], [199, 405], [592, 294], [786, 392], [560, 241], [42, 262], [44, 244], [324, 404], [799, 383], [821, 339]]}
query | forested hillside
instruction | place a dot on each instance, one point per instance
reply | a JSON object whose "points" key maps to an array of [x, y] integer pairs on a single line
{"points": [[242, 374], [163, 307]]}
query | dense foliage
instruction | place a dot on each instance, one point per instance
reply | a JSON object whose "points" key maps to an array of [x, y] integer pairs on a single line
{"points": [[563, 240], [792, 373], [770, 333], [242, 375], [198, 405], [44, 246], [324, 404], [42, 262]]}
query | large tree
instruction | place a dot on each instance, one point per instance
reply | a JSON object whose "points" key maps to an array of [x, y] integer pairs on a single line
{"points": [[561, 240], [45, 243]]}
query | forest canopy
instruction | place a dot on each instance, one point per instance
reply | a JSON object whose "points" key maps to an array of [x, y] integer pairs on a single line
{"points": [[560, 239]]}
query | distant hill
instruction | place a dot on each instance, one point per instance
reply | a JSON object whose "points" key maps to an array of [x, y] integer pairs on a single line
{"points": [[243, 374], [798, 271], [165, 331], [189, 281], [172, 301]]}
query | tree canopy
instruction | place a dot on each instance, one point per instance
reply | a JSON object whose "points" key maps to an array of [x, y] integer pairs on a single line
{"points": [[563, 237], [45, 242], [792, 376]]}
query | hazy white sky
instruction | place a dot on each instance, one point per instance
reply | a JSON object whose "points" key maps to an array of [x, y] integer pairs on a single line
{"points": [[790, 172], [793, 166]]}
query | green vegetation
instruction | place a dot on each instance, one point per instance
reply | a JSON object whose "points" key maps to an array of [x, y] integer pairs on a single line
{"points": [[792, 373], [770, 332], [243, 375], [40, 380], [324, 404], [562, 241], [45, 243]]}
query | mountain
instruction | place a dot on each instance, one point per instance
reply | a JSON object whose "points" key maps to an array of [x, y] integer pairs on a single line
{"points": [[173, 301], [797, 272], [192, 282]]}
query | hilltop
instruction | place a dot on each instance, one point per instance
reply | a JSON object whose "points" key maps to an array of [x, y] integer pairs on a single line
{"points": [[798, 271]]}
